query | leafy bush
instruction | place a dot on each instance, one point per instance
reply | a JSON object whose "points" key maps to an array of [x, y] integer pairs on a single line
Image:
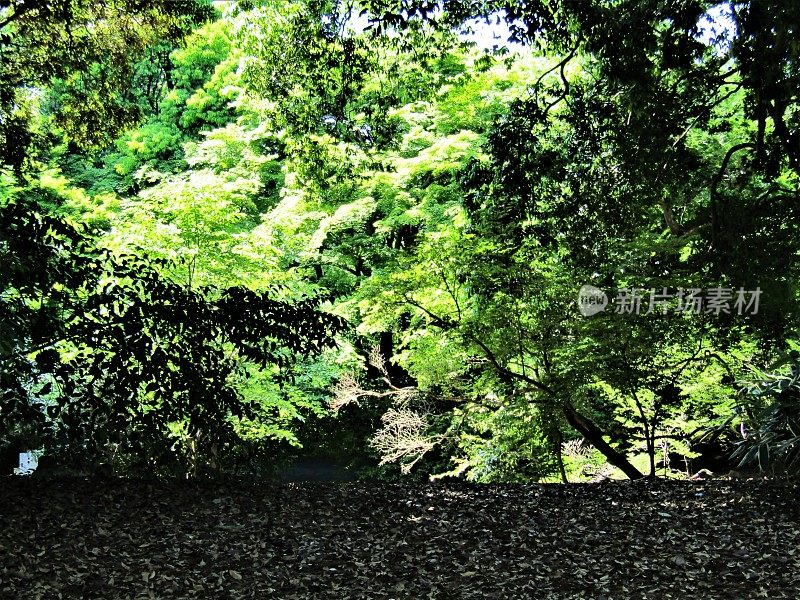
{"points": [[104, 358], [773, 443]]}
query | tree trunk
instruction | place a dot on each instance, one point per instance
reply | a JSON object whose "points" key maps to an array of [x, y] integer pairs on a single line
{"points": [[651, 453], [594, 436], [560, 457]]}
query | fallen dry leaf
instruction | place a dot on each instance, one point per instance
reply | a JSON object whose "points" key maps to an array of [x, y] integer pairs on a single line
{"points": [[112, 539]]}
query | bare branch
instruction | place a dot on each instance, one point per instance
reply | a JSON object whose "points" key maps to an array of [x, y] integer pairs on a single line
{"points": [[403, 438], [376, 359], [348, 391]]}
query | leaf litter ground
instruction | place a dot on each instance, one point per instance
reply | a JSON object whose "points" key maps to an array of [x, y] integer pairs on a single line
{"points": [[75, 538]]}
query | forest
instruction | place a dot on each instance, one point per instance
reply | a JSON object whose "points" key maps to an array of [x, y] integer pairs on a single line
{"points": [[548, 241], [399, 299]]}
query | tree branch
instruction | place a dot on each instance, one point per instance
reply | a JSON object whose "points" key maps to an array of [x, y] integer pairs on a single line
{"points": [[713, 194], [594, 436]]}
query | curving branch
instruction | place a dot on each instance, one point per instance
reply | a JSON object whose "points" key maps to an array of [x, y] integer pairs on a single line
{"points": [[714, 194]]}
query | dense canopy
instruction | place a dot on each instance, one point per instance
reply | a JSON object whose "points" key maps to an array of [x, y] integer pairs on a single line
{"points": [[497, 241]]}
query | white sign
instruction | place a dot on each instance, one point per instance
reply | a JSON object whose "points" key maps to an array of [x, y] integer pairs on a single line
{"points": [[28, 462]]}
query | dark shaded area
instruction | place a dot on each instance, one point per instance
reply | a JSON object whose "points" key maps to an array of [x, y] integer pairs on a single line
{"points": [[76, 538], [713, 456], [9, 459], [324, 470]]}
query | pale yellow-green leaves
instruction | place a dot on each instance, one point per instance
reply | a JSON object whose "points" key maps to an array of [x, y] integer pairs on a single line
{"points": [[96, 210]]}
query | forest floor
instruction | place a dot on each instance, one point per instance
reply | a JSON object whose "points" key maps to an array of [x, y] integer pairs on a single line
{"points": [[74, 538]]}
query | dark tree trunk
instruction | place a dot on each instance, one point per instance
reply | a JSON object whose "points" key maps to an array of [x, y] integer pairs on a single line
{"points": [[560, 457], [397, 374], [594, 436]]}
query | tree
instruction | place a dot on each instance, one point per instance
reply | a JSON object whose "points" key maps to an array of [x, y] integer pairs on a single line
{"points": [[582, 171], [90, 46], [450, 203], [102, 353]]}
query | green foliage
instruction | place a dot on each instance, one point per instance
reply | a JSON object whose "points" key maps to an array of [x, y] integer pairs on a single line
{"points": [[103, 355], [768, 419], [86, 51], [448, 202]]}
